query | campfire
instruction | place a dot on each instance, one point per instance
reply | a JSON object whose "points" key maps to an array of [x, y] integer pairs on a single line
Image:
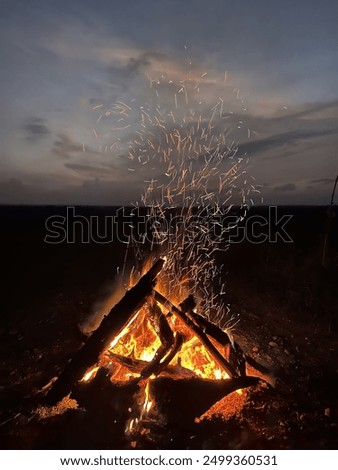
{"points": [[162, 350]]}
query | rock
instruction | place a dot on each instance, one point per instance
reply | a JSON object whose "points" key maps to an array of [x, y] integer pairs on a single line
{"points": [[255, 349], [287, 352], [272, 344]]}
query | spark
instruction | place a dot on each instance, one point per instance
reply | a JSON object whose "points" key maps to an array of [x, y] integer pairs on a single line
{"points": [[197, 173]]}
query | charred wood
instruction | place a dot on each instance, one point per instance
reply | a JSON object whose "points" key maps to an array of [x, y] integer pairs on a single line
{"points": [[202, 395], [162, 360]]}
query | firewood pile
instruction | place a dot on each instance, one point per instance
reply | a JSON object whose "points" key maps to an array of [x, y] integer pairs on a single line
{"points": [[177, 330]]}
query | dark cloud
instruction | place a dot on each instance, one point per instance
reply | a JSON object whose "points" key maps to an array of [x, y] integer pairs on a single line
{"points": [[35, 129], [309, 109], [279, 140], [323, 181], [83, 167], [285, 187], [90, 170], [122, 76], [65, 147]]}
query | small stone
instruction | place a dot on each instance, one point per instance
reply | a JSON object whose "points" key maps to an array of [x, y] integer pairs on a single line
{"points": [[272, 344], [287, 352], [268, 358], [255, 349]]}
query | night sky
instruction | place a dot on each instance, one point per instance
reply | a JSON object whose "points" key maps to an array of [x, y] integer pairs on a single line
{"points": [[274, 63]]}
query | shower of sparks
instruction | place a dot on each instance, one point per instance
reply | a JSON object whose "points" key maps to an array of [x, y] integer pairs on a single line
{"points": [[182, 145]]}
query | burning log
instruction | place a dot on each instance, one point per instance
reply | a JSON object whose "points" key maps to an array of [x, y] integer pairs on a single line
{"points": [[210, 329], [160, 363], [202, 395], [168, 394], [134, 365], [165, 334], [259, 367], [223, 363], [179, 340], [237, 357], [160, 323], [111, 325]]}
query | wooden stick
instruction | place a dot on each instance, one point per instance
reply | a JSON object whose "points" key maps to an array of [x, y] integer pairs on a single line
{"points": [[111, 325], [134, 365], [210, 329]]}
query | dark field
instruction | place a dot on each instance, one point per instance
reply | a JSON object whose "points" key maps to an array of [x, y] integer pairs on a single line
{"points": [[287, 298]]}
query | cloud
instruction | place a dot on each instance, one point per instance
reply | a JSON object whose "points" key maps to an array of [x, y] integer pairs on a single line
{"points": [[285, 187], [83, 167], [66, 147], [35, 129], [286, 138], [323, 181], [309, 109], [105, 171], [136, 64]]}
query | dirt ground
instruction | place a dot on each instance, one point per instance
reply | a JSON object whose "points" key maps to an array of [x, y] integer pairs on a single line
{"points": [[288, 306]]}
